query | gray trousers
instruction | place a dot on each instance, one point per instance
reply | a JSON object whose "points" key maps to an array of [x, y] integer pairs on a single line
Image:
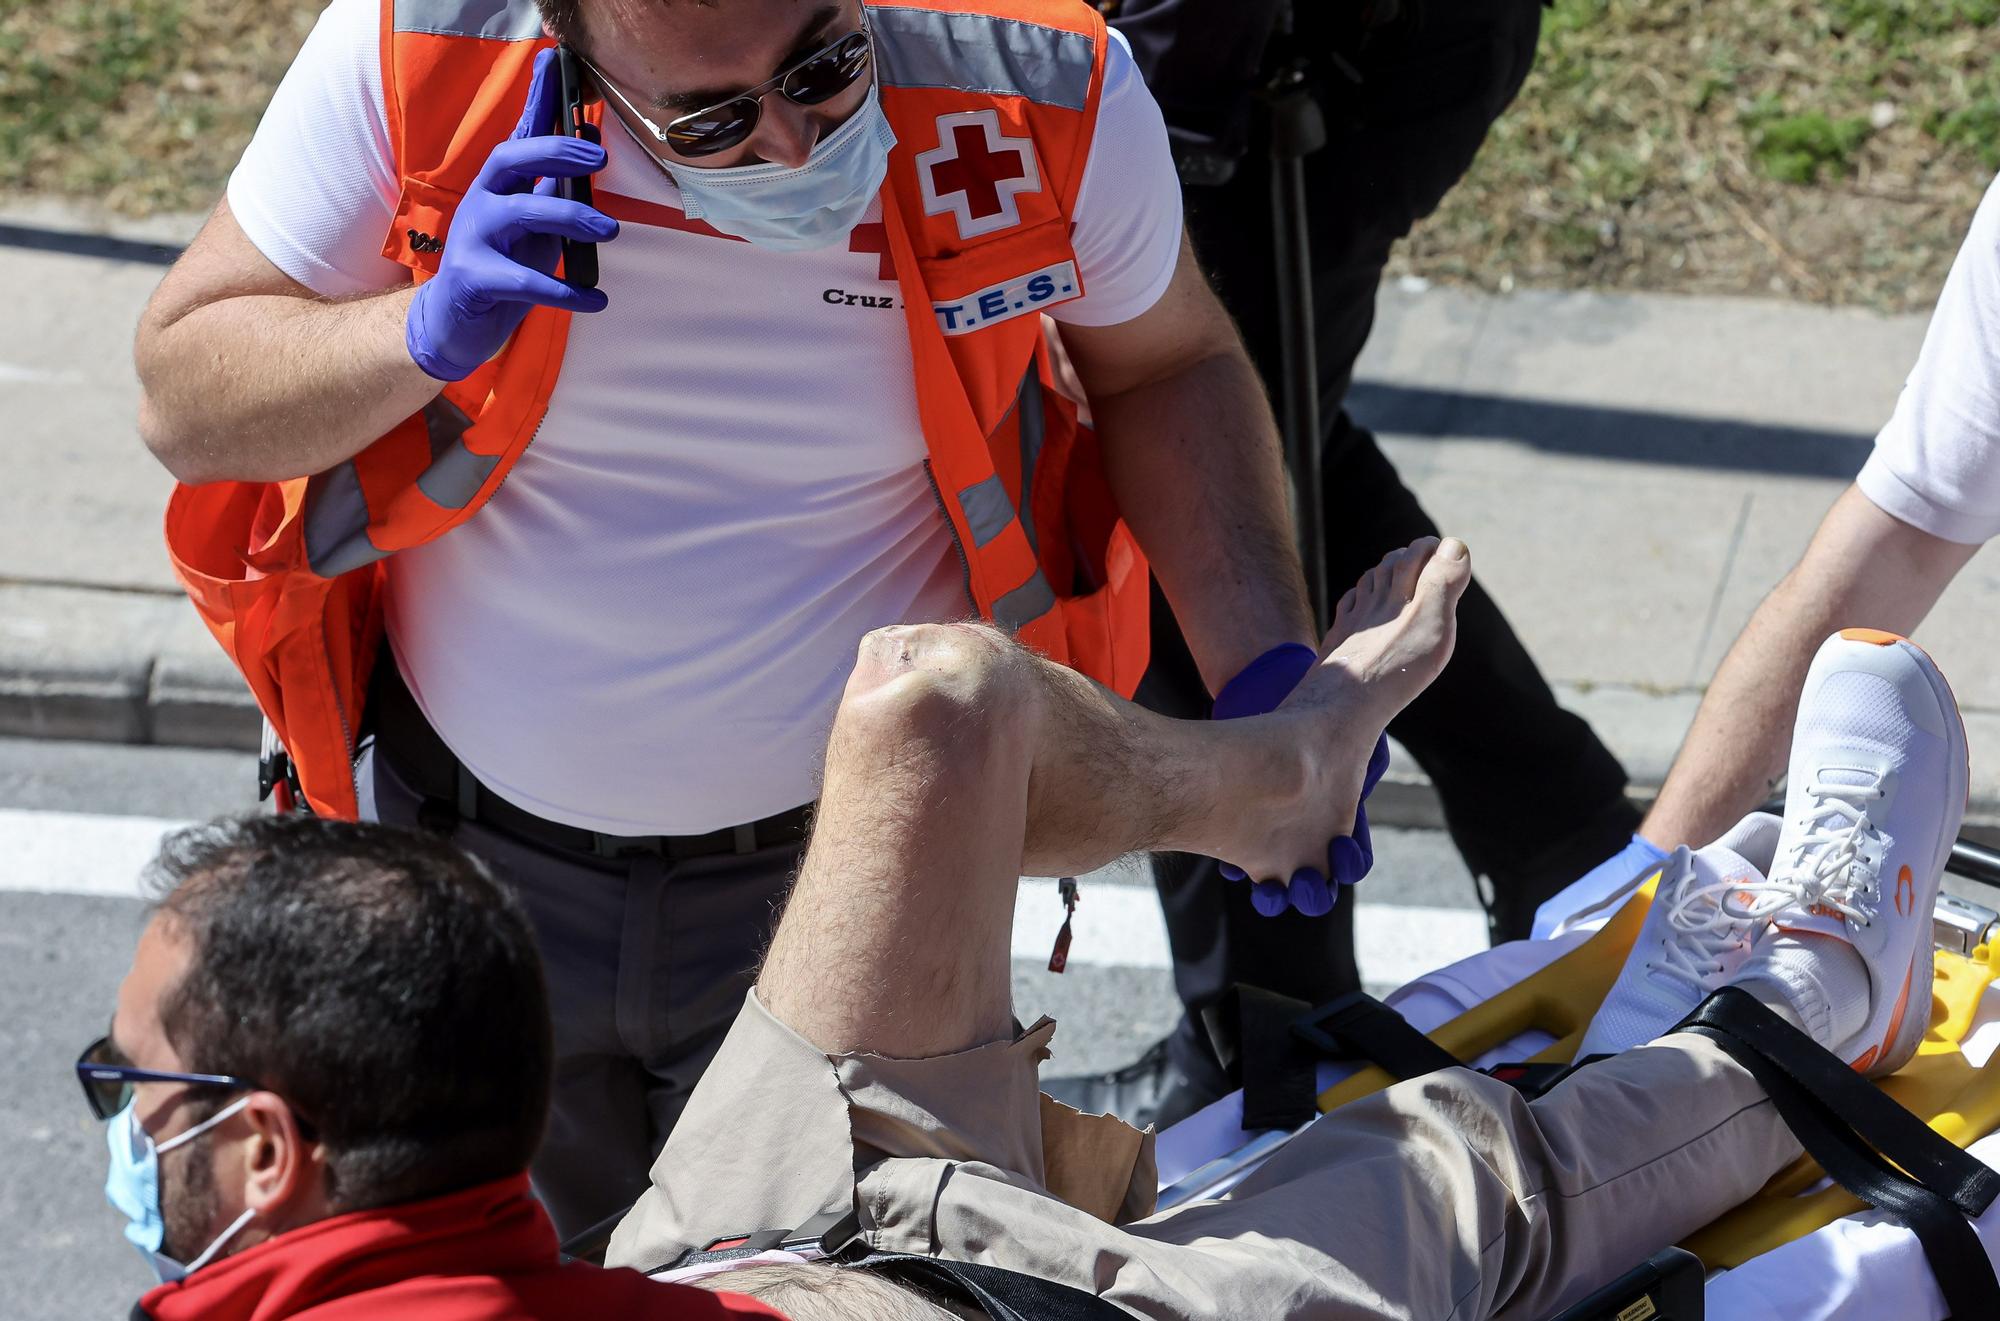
{"points": [[648, 961]]}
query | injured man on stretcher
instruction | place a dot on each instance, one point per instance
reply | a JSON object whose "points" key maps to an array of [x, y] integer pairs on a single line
{"points": [[877, 1070]]}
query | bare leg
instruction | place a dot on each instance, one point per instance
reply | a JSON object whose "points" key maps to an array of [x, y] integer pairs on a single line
{"points": [[959, 762]]}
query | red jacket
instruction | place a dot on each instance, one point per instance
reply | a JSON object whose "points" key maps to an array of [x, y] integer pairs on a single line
{"points": [[485, 1254]]}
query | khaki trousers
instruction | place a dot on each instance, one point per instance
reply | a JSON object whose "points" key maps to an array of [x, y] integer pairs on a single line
{"points": [[1449, 1196]]}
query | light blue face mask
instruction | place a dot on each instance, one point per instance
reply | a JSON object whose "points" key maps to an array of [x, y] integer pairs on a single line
{"points": [[133, 1187], [796, 209]]}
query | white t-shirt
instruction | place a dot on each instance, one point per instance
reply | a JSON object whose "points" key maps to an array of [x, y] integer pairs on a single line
{"points": [[647, 629], [1936, 465]]}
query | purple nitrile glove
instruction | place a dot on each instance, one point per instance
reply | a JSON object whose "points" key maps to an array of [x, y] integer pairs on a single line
{"points": [[1348, 858], [505, 238], [1257, 690]]}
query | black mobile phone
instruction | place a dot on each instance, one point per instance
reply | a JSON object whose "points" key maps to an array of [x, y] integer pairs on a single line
{"points": [[579, 258]]}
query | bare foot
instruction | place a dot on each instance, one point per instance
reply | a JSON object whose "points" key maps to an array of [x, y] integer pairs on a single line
{"points": [[1391, 636]]}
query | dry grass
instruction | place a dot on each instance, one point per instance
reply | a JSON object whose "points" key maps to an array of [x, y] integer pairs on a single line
{"points": [[1822, 149], [1831, 150], [137, 105]]}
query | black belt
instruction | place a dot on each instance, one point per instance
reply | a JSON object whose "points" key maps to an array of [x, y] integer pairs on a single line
{"points": [[997, 1293], [452, 794]]}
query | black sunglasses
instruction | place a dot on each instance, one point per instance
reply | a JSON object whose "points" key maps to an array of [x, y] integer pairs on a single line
{"points": [[107, 1084], [817, 78]]}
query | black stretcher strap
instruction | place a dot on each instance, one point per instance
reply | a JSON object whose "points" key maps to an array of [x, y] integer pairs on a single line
{"points": [[1357, 1024], [1276, 1071], [1850, 1127], [1271, 1045], [1667, 1286], [1003, 1295]]}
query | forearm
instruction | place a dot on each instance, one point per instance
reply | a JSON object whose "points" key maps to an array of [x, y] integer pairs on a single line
{"points": [[1194, 463], [1863, 569], [1734, 755], [264, 387]]}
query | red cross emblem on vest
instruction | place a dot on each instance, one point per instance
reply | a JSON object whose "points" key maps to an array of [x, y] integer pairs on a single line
{"points": [[975, 174]]}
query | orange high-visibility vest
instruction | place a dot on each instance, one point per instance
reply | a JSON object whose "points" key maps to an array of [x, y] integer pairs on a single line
{"points": [[993, 103]]}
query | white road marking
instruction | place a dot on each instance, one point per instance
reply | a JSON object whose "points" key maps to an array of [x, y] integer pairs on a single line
{"points": [[76, 852], [13, 373], [1397, 943], [1118, 922], [1120, 925]]}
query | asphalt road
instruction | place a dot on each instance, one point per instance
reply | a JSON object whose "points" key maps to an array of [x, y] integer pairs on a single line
{"points": [[81, 817]]}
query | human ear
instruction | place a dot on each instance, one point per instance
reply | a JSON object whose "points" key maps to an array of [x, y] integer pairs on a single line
{"points": [[283, 1174]]}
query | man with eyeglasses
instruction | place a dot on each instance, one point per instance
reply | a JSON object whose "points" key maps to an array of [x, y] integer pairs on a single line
{"points": [[810, 396], [328, 1067]]}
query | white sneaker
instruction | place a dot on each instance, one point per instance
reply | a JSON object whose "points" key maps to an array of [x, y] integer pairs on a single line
{"points": [[1690, 943], [1876, 792]]}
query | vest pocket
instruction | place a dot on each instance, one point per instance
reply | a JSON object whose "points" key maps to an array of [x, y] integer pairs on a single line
{"points": [[423, 216]]}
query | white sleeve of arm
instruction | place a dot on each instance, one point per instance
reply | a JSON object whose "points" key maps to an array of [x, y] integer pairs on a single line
{"points": [[1936, 465], [316, 189], [1128, 208]]}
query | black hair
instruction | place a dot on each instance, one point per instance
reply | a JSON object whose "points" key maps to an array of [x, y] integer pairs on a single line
{"points": [[379, 980], [565, 17]]}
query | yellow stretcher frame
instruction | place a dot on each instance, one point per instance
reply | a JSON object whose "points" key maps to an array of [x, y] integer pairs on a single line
{"points": [[1962, 1102]]}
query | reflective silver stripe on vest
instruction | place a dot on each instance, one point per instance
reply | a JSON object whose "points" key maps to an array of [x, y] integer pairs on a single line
{"points": [[336, 513], [501, 20], [1029, 405], [979, 53], [987, 509], [456, 473], [1026, 603], [985, 504], [336, 523]]}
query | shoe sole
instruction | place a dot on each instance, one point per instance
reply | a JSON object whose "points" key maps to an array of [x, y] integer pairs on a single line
{"points": [[1906, 1030]]}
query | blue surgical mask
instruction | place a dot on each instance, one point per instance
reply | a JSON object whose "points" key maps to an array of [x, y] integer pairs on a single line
{"points": [[133, 1187], [814, 205]]}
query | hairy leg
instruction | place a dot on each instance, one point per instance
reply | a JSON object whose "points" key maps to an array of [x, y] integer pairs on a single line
{"points": [[959, 762]]}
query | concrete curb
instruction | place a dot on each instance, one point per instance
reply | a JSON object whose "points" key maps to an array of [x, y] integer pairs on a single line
{"points": [[138, 667], [116, 667]]}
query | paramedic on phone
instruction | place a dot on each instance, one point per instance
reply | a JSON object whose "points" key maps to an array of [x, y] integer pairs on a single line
{"points": [[800, 406]]}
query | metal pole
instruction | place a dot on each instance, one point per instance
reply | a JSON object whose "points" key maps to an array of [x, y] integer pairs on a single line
{"points": [[1297, 130], [1974, 862]]}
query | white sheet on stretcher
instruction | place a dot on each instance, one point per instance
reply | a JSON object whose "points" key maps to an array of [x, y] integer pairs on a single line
{"points": [[1862, 1268]]}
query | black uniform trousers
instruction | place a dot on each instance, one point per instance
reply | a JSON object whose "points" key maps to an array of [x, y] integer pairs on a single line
{"points": [[1531, 797]]}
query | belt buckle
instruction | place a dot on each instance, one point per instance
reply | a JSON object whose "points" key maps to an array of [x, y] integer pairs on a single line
{"points": [[614, 847]]}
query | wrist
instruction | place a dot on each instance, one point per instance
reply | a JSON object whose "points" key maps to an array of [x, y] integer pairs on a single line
{"points": [[1641, 847], [418, 342]]}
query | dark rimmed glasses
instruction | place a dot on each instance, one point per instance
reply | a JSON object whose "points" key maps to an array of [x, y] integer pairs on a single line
{"points": [[107, 1082], [814, 80]]}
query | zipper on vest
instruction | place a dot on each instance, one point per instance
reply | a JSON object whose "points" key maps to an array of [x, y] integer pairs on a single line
{"points": [[340, 709], [944, 512]]}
